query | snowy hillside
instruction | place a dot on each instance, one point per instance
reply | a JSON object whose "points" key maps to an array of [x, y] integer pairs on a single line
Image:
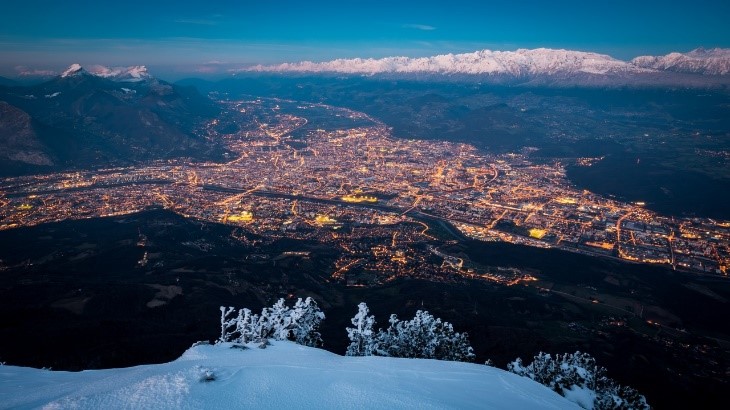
{"points": [[284, 375]]}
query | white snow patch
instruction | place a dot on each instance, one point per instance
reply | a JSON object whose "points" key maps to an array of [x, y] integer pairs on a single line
{"points": [[72, 70], [131, 73], [56, 94], [284, 375], [582, 396]]}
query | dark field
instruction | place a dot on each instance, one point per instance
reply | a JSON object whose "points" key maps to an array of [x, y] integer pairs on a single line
{"points": [[668, 190]]}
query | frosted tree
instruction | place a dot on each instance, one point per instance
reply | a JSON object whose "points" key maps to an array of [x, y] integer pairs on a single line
{"points": [[614, 396], [423, 337], [543, 370], [305, 319], [244, 327], [428, 337], [362, 336], [279, 322], [261, 326], [577, 377], [452, 345], [390, 342], [228, 324]]}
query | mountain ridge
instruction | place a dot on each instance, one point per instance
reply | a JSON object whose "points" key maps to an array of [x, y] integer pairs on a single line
{"points": [[520, 64], [80, 118], [715, 61]]}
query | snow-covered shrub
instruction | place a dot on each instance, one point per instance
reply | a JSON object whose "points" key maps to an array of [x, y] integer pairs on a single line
{"points": [[305, 319], [578, 378], [279, 322], [614, 396], [228, 324], [422, 337], [244, 327], [362, 336]]}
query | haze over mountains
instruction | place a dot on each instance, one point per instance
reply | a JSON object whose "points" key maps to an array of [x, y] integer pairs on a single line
{"points": [[99, 117], [524, 63]]}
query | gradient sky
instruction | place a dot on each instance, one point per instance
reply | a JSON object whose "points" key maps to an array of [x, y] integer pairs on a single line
{"points": [[181, 37]]}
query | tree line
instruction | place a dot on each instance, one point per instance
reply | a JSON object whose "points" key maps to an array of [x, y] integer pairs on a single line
{"points": [[576, 376]]}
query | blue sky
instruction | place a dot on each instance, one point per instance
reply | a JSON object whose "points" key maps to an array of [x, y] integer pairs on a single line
{"points": [[207, 36]]}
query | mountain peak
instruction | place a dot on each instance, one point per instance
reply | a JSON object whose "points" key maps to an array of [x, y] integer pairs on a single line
{"points": [[72, 70], [122, 74]]}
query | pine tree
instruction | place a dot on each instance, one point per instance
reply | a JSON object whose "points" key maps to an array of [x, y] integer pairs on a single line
{"points": [[304, 320], [422, 337], [452, 345], [244, 326], [279, 321], [362, 336], [614, 396], [572, 372], [262, 327], [389, 342]]}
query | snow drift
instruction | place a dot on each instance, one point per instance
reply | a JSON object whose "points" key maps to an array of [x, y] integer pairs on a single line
{"points": [[284, 375]]}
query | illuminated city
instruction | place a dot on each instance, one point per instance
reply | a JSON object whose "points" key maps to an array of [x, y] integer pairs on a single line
{"points": [[375, 197]]}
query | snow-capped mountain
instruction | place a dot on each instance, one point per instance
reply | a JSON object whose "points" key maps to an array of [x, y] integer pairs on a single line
{"points": [[284, 375], [715, 61], [72, 70], [105, 114], [122, 74], [132, 73], [538, 63], [518, 63]]}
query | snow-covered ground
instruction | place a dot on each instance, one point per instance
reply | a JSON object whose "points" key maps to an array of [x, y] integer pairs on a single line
{"points": [[284, 375]]}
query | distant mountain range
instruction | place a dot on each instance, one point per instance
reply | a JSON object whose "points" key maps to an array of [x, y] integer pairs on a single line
{"points": [[576, 66], [99, 117], [700, 61], [122, 74]]}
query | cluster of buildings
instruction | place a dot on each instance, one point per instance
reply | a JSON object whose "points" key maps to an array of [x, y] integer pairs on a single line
{"points": [[349, 183]]}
